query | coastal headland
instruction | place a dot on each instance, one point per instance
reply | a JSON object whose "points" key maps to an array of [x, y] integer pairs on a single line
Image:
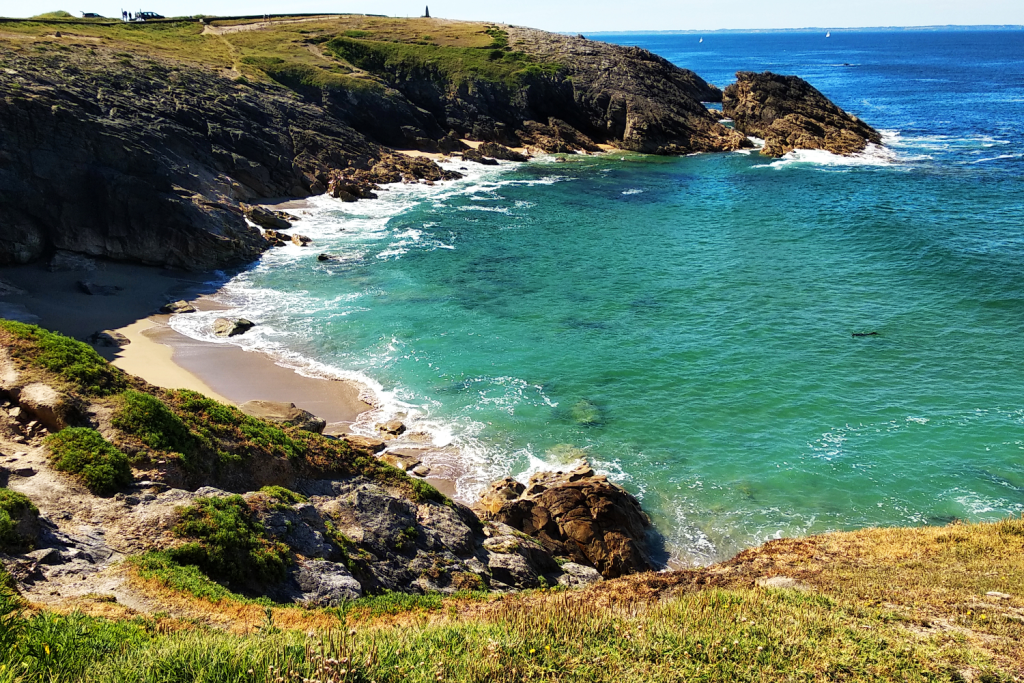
{"points": [[152, 516]]}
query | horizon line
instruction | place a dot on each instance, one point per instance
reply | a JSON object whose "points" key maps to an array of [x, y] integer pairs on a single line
{"points": [[926, 27]]}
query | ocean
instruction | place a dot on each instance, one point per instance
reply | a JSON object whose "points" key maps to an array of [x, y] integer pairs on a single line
{"points": [[686, 324]]}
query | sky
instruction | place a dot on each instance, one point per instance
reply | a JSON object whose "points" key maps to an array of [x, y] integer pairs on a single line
{"points": [[590, 15]]}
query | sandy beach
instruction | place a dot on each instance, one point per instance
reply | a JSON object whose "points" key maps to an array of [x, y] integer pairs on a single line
{"points": [[156, 353], [56, 300]]}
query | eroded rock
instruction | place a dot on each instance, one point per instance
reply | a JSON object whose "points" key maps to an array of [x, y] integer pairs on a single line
{"points": [[578, 515], [180, 306], [283, 413], [228, 327], [789, 113]]}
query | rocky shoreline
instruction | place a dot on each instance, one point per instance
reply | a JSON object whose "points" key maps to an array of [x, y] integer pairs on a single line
{"points": [[123, 152], [345, 521]]}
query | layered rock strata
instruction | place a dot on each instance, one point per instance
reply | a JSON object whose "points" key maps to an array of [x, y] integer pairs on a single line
{"points": [[789, 113]]}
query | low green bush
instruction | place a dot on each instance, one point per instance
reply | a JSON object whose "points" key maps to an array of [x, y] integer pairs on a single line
{"points": [[227, 542], [73, 361], [150, 420], [12, 506], [159, 565], [84, 452], [284, 495]]}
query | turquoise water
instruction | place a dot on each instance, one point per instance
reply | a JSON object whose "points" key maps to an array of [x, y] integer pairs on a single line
{"points": [[688, 322]]}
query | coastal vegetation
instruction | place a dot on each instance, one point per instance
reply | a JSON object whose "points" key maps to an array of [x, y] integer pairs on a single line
{"points": [[845, 617], [84, 452]]}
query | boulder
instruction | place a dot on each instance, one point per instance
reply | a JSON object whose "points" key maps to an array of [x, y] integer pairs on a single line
{"points": [[493, 149], [476, 156], [789, 113], [180, 306], [46, 404], [301, 240], [227, 327], [283, 413], [576, 514], [364, 443], [265, 218], [108, 338], [391, 428], [401, 461], [450, 143], [574, 574], [498, 494], [326, 584], [93, 289]]}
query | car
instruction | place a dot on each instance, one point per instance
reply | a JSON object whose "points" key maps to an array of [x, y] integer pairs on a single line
{"points": [[91, 15], [146, 16]]}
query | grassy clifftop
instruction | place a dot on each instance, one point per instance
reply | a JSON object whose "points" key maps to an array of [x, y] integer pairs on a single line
{"points": [[930, 604], [290, 50]]}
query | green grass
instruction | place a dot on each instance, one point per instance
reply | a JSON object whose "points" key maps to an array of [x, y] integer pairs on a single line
{"points": [[227, 543], [74, 362], [456, 65], [190, 579], [84, 452], [712, 636], [13, 505], [59, 14]]}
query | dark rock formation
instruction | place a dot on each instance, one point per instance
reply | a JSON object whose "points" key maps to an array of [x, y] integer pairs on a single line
{"points": [[284, 414], [496, 151], [143, 158], [477, 157], [789, 113], [575, 514], [265, 218]]}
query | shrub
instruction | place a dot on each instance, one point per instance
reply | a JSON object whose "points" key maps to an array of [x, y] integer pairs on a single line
{"points": [[84, 452], [422, 492], [71, 360], [153, 422], [159, 565], [228, 543], [284, 495], [13, 505]]}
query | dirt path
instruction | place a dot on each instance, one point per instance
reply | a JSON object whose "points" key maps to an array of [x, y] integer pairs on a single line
{"points": [[211, 30]]}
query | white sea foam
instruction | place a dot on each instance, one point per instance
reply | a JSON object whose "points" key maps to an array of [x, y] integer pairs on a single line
{"points": [[633, 191]]}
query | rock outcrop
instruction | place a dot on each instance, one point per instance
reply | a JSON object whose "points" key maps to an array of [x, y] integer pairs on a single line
{"points": [[789, 113], [575, 514], [231, 327], [282, 413]]}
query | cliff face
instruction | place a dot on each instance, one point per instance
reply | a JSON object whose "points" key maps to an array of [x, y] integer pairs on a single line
{"points": [[147, 164], [141, 150], [789, 113]]}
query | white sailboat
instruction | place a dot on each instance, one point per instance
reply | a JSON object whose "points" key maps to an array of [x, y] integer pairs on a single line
{"points": [[701, 40], [828, 34]]}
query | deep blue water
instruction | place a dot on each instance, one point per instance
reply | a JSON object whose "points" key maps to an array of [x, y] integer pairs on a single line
{"points": [[686, 323]]}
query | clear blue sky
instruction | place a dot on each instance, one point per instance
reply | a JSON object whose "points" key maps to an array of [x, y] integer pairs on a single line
{"points": [[593, 15]]}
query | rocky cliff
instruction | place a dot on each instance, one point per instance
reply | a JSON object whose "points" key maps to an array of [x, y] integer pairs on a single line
{"points": [[116, 469], [139, 142], [789, 113]]}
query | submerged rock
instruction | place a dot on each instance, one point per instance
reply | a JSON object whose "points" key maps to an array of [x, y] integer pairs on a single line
{"points": [[789, 113]]}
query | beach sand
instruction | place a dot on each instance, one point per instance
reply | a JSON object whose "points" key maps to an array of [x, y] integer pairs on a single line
{"points": [[156, 353]]}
